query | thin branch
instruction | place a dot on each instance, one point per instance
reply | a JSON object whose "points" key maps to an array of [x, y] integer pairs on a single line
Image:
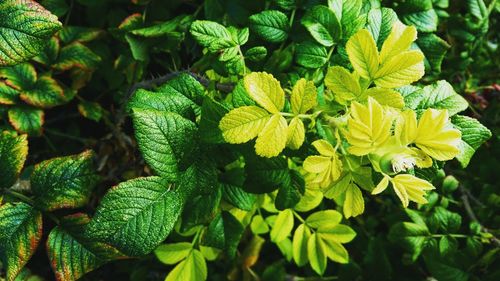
{"points": [[473, 217]]}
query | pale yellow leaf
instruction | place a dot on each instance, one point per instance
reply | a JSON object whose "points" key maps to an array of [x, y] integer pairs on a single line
{"points": [[363, 53], [303, 96], [243, 123], [272, 139], [342, 83], [385, 96], [354, 203], [264, 89], [399, 40], [296, 133], [400, 70]]}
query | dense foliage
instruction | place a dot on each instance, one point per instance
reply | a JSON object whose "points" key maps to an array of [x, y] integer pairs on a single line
{"points": [[249, 140]]}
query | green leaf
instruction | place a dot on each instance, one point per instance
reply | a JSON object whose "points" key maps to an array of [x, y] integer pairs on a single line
{"points": [[441, 95], [26, 119], [224, 232], [13, 153], [447, 245], [411, 236], [310, 55], [165, 140], [347, 12], [173, 253], [363, 54], [323, 219], [64, 182], [8, 95], [137, 215], [240, 97], [211, 114], [474, 134], [323, 25], [76, 55], [165, 100], [256, 53], [316, 253], [186, 85], [266, 175], [379, 23], [57, 7], [71, 253], [444, 220], [25, 27], [79, 33], [299, 243], [91, 110], [289, 194], [161, 29], [283, 226], [211, 35], [232, 182], [194, 267], [200, 209], [271, 25], [434, 49], [21, 76], [45, 93], [243, 124], [420, 14], [20, 233]]}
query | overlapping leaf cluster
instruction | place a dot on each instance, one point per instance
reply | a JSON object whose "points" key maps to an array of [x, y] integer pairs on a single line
{"points": [[288, 139]]}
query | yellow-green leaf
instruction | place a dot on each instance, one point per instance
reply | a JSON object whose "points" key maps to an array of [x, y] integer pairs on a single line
{"points": [[339, 233], [258, 225], [363, 53], [296, 133], [334, 250], [354, 204], [265, 90], [399, 40], [316, 254], [300, 239], [272, 139], [400, 70], [243, 123], [385, 96], [173, 253], [324, 218], [283, 226], [303, 96], [193, 267], [342, 83]]}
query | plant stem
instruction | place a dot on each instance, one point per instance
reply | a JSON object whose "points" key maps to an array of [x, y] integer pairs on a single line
{"points": [[20, 196]]}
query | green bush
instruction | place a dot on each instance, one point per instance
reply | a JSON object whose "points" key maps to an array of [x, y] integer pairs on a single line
{"points": [[249, 140]]}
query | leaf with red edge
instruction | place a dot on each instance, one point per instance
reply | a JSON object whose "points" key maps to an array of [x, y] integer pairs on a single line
{"points": [[8, 95], [71, 253], [25, 27], [26, 119], [20, 232], [64, 182], [13, 152], [45, 93], [76, 55]]}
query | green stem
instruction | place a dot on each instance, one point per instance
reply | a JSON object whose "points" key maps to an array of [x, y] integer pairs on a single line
{"points": [[295, 214], [60, 134], [20, 196]]}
